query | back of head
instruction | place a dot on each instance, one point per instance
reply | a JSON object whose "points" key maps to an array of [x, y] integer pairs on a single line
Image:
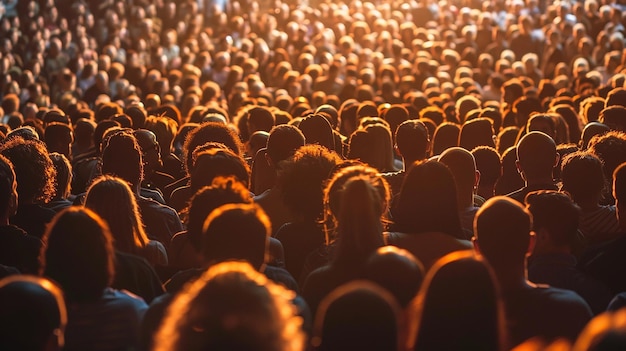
{"points": [[231, 307], [122, 157], [413, 140], [236, 232], [611, 149], [283, 142], [165, 130], [64, 176], [428, 201], [605, 332], [33, 314], [474, 319], [317, 130], [260, 118], [463, 167], [502, 230], [536, 154], [58, 138], [591, 129], [476, 132], [78, 244], [357, 316], [207, 132], [555, 214], [372, 145], [396, 270], [218, 162], [34, 171], [488, 163], [446, 135], [582, 176]]}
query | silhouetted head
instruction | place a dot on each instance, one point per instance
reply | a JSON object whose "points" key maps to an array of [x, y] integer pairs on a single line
{"points": [[536, 156], [283, 142], [359, 315], [413, 140]]}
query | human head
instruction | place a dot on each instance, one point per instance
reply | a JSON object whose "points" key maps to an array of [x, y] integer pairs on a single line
{"points": [[59, 138], [463, 167], [150, 149], [207, 132], [555, 218], [78, 244], [372, 145], [317, 130], [201, 316], [215, 162], [165, 129], [33, 314], [236, 232], [536, 156], [359, 315], [63, 180], [428, 201], [122, 157], [583, 177], [490, 167], [446, 135], [34, 171], [502, 233], [283, 142], [412, 140], [474, 320], [610, 148], [8, 188], [591, 129]]}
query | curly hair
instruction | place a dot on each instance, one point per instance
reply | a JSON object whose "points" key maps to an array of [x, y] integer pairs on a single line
{"points": [[34, 170]]}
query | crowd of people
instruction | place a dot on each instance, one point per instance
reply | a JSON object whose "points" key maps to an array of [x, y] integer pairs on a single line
{"points": [[323, 175]]}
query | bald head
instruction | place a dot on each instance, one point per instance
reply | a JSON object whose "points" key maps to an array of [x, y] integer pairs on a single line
{"points": [[536, 156], [502, 231]]}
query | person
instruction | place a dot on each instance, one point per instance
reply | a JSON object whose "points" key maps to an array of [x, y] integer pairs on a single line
{"points": [[122, 158], [611, 149], [78, 254], [35, 174], [33, 315], [426, 219], [604, 332], [536, 159], [359, 315], [186, 247], [63, 183], [504, 238], [17, 249], [583, 178], [301, 180], [490, 167], [112, 199], [412, 144], [282, 143], [473, 320], [356, 210], [153, 178], [466, 177], [555, 222], [231, 307]]}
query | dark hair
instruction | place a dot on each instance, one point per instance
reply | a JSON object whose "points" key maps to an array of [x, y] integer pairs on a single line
{"points": [[34, 171], [122, 157], [78, 244], [283, 142], [536, 154], [609, 147], [556, 212], [218, 162], [476, 132], [210, 131], [237, 232], [582, 175], [7, 182], [412, 139], [446, 135], [372, 145], [63, 180], [427, 201], [474, 320], [488, 163], [317, 130], [302, 178]]}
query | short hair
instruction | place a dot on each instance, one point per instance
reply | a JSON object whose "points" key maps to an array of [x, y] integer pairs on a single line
{"points": [[318, 130], [610, 148], [231, 307], [488, 163], [122, 157], [78, 244], [34, 171], [218, 162], [33, 311], [446, 135], [463, 167], [556, 212], [262, 118], [283, 142], [412, 139], [582, 175], [476, 132], [502, 229], [210, 131], [614, 117], [164, 128], [536, 153], [63, 180]]}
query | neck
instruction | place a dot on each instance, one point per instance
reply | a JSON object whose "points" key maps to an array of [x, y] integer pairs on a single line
{"points": [[512, 277], [540, 180]]}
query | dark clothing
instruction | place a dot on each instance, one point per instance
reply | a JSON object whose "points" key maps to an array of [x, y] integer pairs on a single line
{"points": [[324, 280], [607, 263], [135, 274], [19, 250], [60, 204], [161, 221], [520, 194], [546, 312], [395, 180], [559, 270], [299, 239], [33, 219], [169, 189]]}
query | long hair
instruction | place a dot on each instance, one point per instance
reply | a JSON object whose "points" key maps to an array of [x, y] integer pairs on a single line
{"points": [[427, 201], [112, 199], [356, 199]]}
